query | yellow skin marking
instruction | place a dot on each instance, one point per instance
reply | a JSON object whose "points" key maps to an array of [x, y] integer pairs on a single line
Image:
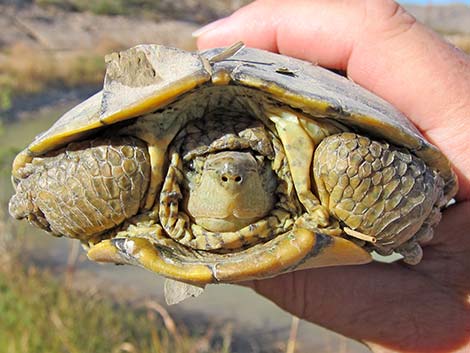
{"points": [[157, 160], [299, 149], [158, 142]]}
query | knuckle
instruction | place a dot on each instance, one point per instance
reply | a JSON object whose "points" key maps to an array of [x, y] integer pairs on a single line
{"points": [[387, 18]]}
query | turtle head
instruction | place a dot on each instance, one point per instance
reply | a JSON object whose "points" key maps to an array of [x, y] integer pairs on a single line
{"points": [[234, 191]]}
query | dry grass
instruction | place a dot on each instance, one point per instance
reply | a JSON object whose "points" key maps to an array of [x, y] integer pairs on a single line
{"points": [[188, 10], [461, 41], [25, 70]]}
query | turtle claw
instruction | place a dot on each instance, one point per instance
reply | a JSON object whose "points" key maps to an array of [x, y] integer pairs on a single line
{"points": [[320, 216], [318, 220]]}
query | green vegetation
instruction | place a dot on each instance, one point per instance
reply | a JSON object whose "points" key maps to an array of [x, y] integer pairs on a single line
{"points": [[5, 97], [22, 75]]}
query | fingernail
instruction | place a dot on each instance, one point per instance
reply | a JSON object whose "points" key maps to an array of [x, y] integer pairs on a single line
{"points": [[208, 27]]}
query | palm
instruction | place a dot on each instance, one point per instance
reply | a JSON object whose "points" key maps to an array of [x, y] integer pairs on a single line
{"points": [[423, 308]]}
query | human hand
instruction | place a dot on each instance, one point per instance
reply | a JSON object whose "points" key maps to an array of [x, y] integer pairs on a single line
{"points": [[389, 307]]}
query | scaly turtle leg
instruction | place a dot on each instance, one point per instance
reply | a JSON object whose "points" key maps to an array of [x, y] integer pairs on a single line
{"points": [[380, 194]]}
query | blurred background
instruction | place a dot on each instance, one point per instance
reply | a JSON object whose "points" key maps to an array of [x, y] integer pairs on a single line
{"points": [[51, 298]]}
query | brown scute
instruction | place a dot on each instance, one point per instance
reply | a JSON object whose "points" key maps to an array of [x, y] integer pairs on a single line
{"points": [[84, 189], [375, 188]]}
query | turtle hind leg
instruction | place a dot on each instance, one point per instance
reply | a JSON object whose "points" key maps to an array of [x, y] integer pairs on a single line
{"points": [[376, 190], [85, 189]]}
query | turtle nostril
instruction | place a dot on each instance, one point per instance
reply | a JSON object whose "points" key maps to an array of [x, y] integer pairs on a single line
{"points": [[230, 178]]}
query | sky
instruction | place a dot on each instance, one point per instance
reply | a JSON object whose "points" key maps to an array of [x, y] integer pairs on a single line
{"points": [[434, 2]]}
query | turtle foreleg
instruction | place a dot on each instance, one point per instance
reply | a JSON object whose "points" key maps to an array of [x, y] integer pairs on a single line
{"points": [[158, 135]]}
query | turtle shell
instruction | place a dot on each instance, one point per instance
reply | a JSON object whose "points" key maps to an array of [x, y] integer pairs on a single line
{"points": [[148, 78]]}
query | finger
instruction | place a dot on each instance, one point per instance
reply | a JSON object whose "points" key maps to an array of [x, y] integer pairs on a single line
{"points": [[381, 47]]}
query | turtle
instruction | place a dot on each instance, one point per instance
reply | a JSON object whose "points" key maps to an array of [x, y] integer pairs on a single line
{"points": [[232, 164]]}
